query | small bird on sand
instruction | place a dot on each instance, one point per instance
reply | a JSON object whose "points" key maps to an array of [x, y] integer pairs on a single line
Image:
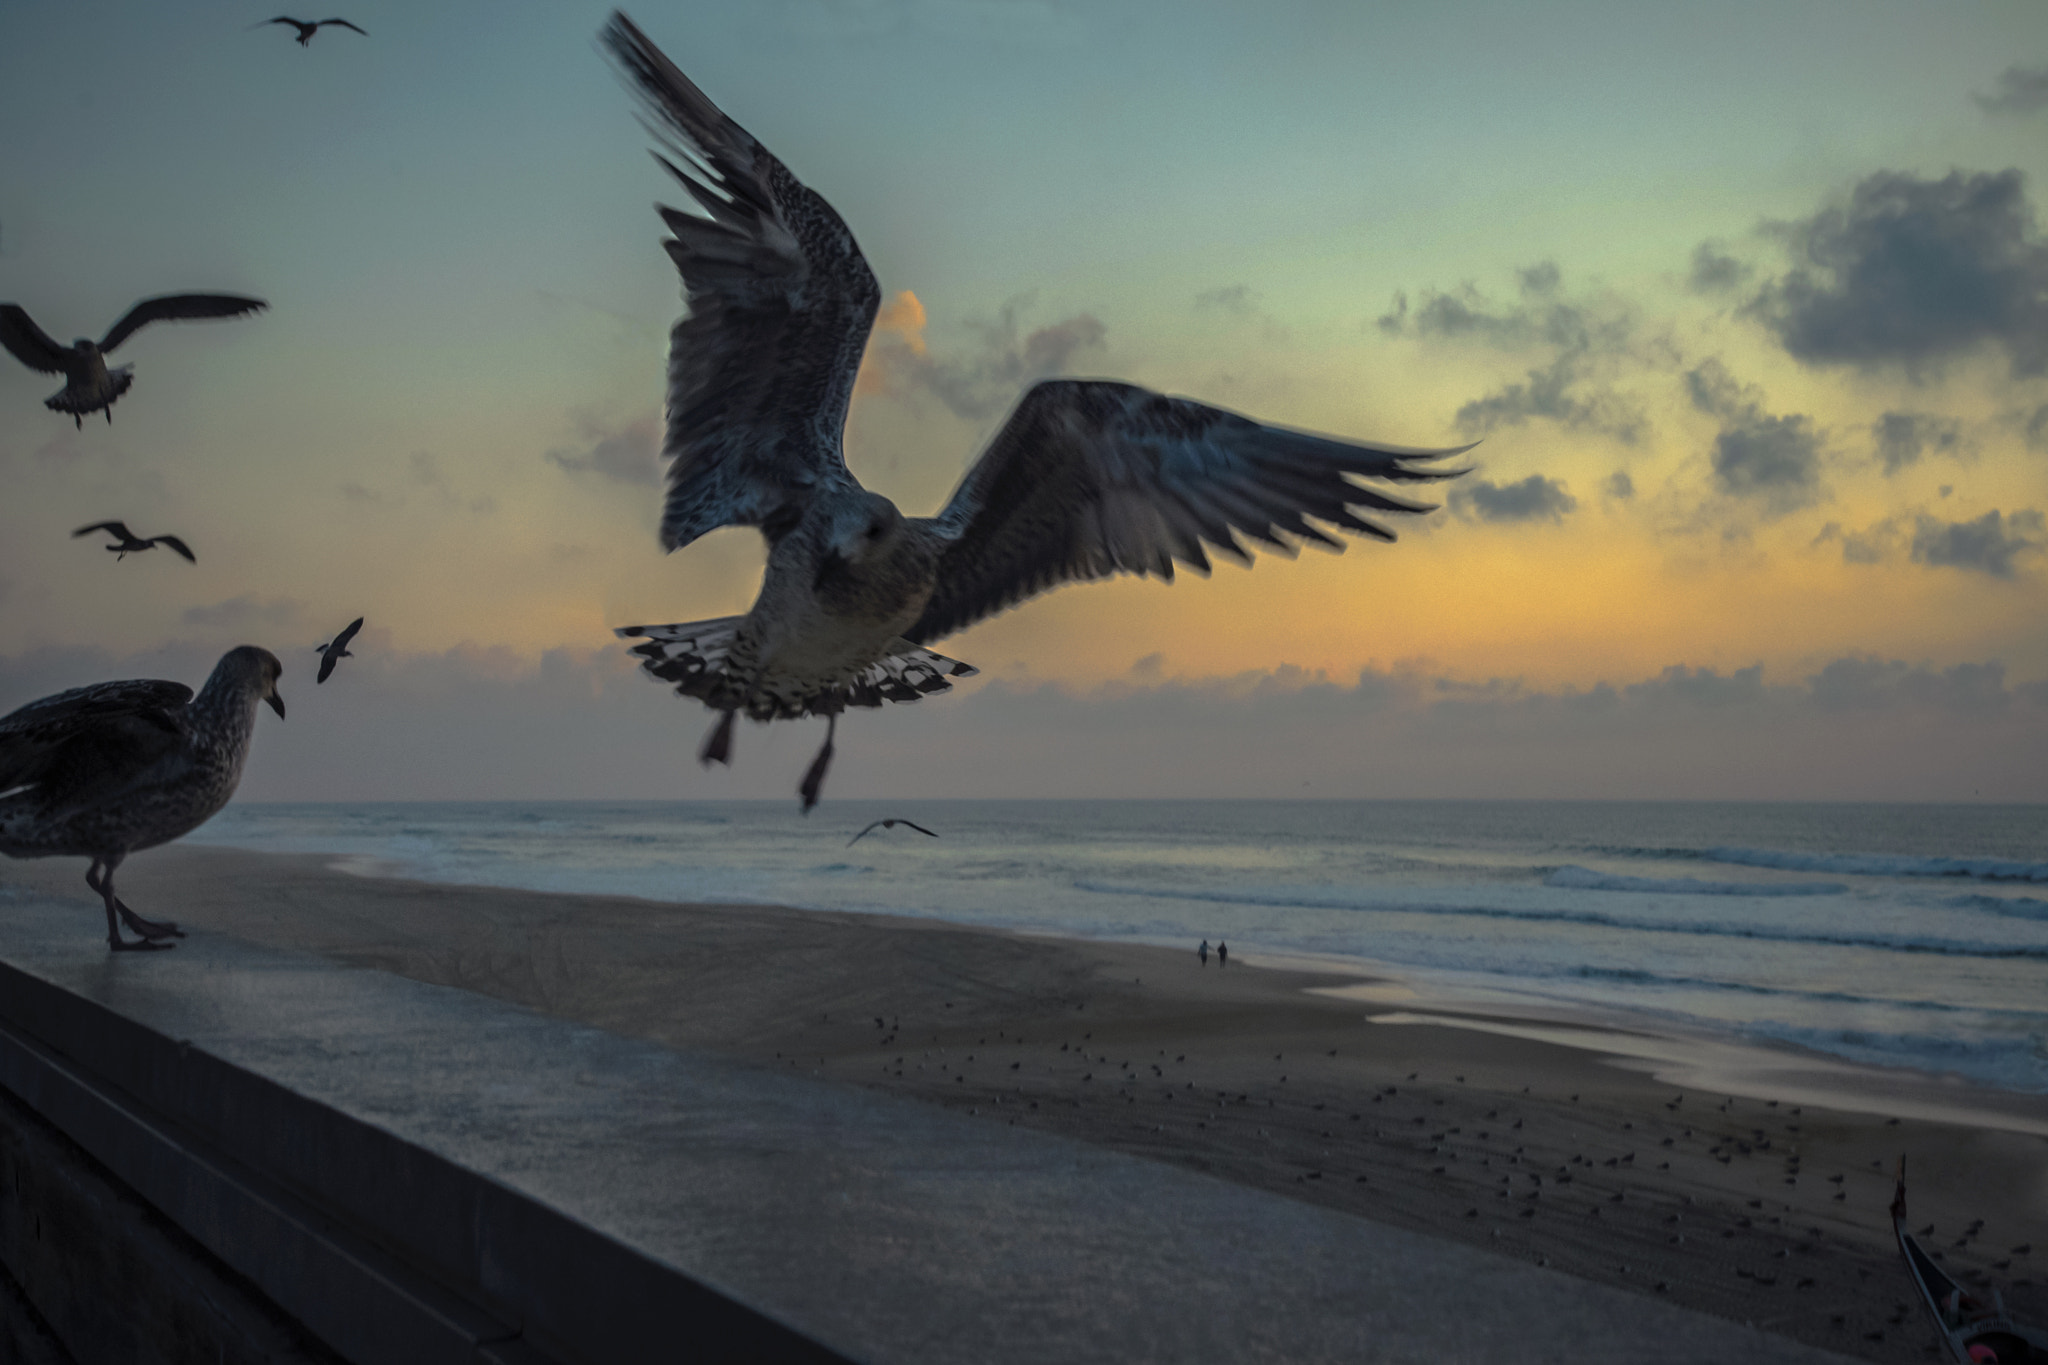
{"points": [[1088, 478], [89, 386], [126, 542], [336, 649], [306, 30], [888, 824], [104, 771]]}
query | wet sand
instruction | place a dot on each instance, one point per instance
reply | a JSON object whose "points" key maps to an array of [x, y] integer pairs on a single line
{"points": [[1762, 1199]]}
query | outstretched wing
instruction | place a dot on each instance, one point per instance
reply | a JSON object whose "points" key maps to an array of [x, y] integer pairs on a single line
{"points": [[341, 23], [780, 302], [180, 546], [111, 716], [28, 343], [1090, 478], [178, 308], [341, 640], [118, 528]]}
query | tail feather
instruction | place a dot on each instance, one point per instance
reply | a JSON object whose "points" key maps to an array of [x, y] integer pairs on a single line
{"points": [[909, 672], [695, 657]]}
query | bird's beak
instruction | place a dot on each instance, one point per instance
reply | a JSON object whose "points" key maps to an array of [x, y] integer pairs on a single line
{"points": [[276, 704]]}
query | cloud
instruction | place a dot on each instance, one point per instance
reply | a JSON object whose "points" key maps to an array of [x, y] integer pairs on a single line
{"points": [[1873, 545], [991, 375], [1240, 302], [628, 454], [475, 723], [2021, 90], [1585, 339], [1714, 271], [1233, 298], [1913, 273], [245, 612], [1533, 499], [1988, 545], [1700, 687], [1772, 459], [1903, 437], [1860, 682], [1619, 485], [2037, 428]]}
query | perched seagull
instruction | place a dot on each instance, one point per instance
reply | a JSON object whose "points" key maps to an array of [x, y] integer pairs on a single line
{"points": [[126, 542], [1087, 478], [306, 30], [89, 386], [336, 650], [104, 771], [888, 824]]}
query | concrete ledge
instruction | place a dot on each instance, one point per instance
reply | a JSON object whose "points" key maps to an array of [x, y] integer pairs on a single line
{"points": [[385, 1251], [416, 1173]]}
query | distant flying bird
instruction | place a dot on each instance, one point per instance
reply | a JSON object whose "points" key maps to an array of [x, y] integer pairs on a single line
{"points": [[1088, 478], [306, 30], [888, 824], [336, 650], [89, 385], [126, 542], [104, 771]]}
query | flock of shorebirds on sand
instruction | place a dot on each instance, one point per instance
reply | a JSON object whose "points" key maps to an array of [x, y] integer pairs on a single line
{"points": [[1086, 479]]}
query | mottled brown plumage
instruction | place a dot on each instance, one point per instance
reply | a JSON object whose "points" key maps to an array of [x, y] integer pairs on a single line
{"points": [[104, 771]]}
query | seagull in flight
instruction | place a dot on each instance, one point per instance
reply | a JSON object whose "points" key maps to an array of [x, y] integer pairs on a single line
{"points": [[336, 650], [89, 386], [126, 542], [888, 824], [306, 30], [1087, 478]]}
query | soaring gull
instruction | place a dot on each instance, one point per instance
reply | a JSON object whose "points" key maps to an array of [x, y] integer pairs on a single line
{"points": [[126, 542], [336, 649], [307, 30], [1087, 478], [89, 386], [890, 823], [101, 772]]}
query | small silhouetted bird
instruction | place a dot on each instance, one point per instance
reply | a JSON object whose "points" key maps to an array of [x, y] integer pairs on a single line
{"points": [[306, 30], [89, 386], [336, 649], [126, 542], [888, 824]]}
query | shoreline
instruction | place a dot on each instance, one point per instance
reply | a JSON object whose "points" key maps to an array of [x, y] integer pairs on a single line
{"points": [[1535, 1137]]}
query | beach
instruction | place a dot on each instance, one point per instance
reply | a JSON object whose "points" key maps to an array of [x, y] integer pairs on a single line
{"points": [[1764, 1201]]}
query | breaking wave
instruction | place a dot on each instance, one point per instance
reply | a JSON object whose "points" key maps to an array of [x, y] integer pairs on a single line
{"points": [[1574, 878]]}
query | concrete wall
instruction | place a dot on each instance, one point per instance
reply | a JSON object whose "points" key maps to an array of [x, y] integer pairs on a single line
{"points": [[96, 1275], [128, 1152]]}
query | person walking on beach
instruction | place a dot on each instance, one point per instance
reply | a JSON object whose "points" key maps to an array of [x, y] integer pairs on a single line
{"points": [[1222, 954], [1203, 952]]}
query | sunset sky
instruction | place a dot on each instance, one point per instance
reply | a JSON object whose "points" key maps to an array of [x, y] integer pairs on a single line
{"points": [[1748, 302]]}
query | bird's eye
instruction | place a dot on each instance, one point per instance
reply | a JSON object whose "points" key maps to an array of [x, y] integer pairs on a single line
{"points": [[875, 531]]}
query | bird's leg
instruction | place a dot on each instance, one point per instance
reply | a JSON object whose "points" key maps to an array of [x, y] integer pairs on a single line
{"points": [[78, 420], [718, 744], [148, 928], [104, 885], [814, 776]]}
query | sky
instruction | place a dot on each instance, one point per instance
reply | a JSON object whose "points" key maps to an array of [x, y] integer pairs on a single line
{"points": [[1747, 306]]}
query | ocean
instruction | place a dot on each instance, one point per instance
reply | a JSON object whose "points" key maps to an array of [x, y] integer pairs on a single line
{"points": [[1903, 936]]}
